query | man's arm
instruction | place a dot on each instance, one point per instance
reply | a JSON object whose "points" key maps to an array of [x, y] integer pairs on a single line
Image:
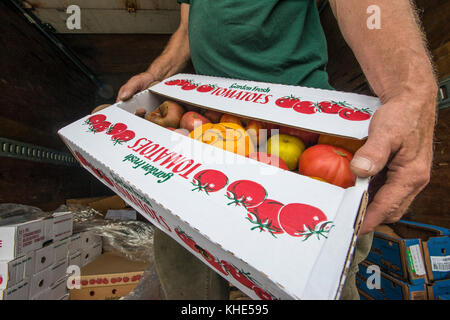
{"points": [[397, 65], [172, 59]]}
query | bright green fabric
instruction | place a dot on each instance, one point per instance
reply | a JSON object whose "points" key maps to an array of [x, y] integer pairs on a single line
{"points": [[279, 41]]}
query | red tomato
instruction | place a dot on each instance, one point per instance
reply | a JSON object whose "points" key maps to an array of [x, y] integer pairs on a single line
{"points": [[265, 216], [123, 136], [269, 159], [205, 88], [263, 295], [172, 82], [189, 86], [240, 276], [95, 119], [330, 107], [306, 107], [286, 102], [116, 128], [298, 220], [209, 180], [182, 83], [355, 114], [246, 192], [329, 163], [99, 126]]}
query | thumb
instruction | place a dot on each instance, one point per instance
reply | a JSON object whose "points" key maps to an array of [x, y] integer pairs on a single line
{"points": [[372, 157]]}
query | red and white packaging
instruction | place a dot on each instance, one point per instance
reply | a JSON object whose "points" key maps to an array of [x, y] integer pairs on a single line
{"points": [[18, 239], [158, 172]]}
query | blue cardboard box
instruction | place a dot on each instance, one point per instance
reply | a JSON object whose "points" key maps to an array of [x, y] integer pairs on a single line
{"points": [[439, 290], [389, 287], [412, 252]]}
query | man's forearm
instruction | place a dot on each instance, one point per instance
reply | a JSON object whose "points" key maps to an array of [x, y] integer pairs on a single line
{"points": [[176, 54], [394, 58]]}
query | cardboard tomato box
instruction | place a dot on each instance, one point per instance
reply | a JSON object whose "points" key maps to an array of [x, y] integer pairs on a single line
{"points": [[389, 288], [110, 276], [12, 272], [162, 175]]}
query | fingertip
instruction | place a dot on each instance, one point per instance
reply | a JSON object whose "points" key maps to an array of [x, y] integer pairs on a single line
{"points": [[362, 166]]}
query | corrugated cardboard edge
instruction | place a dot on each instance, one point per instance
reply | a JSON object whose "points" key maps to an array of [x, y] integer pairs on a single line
{"points": [[356, 227]]}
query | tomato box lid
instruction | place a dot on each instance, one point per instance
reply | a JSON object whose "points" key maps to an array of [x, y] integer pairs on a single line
{"points": [[325, 111], [168, 171]]}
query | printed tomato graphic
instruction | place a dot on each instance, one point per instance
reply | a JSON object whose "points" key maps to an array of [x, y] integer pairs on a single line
{"points": [[124, 136], [302, 220], [182, 83], [205, 88], [355, 114], [265, 216], [240, 276], [99, 126], [95, 119], [211, 259], [172, 82], [287, 102], [186, 239], [305, 107], [209, 181], [189, 86], [247, 193], [330, 107], [263, 295], [116, 128]]}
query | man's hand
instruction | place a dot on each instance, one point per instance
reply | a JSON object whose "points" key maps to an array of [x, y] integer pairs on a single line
{"points": [[397, 65], [137, 83], [401, 136]]}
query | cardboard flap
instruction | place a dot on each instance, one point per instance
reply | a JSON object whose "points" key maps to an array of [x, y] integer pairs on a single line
{"points": [[332, 112]]}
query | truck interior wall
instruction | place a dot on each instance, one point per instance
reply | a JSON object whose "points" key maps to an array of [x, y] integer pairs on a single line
{"points": [[41, 91]]}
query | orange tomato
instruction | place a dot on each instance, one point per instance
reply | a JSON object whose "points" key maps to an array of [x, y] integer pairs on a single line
{"points": [[227, 136], [228, 118]]}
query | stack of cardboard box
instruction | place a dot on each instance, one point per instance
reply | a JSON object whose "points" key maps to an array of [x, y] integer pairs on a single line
{"points": [[35, 256], [413, 260]]}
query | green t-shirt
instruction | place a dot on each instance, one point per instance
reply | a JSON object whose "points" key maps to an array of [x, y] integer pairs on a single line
{"points": [[278, 41]]}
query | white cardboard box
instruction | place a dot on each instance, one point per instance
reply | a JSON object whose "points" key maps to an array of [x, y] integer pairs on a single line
{"points": [[88, 239], [59, 290], [75, 243], [44, 258], [19, 291], [48, 229], [75, 259], [61, 249], [62, 225], [18, 239], [153, 170], [29, 264], [39, 282], [12, 272], [59, 271], [90, 254]]}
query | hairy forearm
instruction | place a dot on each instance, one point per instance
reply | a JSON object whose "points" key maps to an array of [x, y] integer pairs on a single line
{"points": [[176, 54], [394, 58]]}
